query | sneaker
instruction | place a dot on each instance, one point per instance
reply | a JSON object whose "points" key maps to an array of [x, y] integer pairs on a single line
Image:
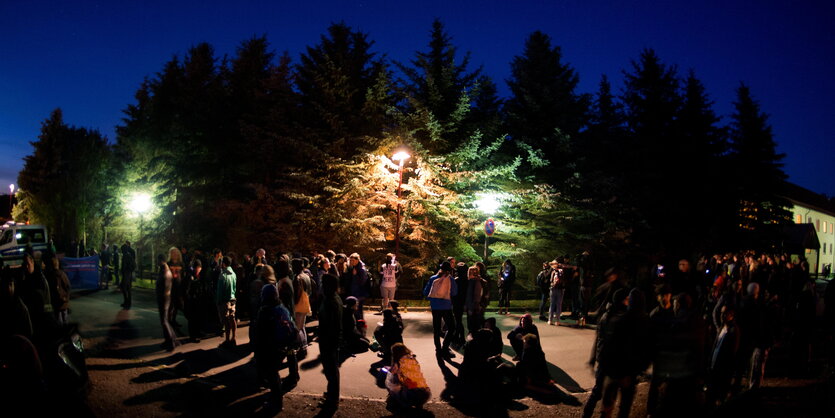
{"points": [[550, 322]]}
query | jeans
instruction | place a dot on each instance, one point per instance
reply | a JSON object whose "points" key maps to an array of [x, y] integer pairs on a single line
{"points": [[543, 299], [611, 386], [329, 354], [504, 296], [444, 315], [556, 304], [758, 358]]}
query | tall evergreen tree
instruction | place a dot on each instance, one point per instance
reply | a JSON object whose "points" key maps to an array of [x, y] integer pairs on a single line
{"points": [[345, 91], [438, 90], [64, 180], [757, 167], [544, 110], [652, 100], [703, 174]]}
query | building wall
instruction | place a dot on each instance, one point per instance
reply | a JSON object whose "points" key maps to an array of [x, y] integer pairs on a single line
{"points": [[824, 224]]}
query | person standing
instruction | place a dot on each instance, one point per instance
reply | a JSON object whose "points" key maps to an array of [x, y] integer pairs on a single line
{"points": [[507, 276], [128, 272], [439, 290], [359, 282], [543, 283], [163, 293], [460, 275], [557, 293], [225, 300], [175, 263], [275, 329], [390, 272], [59, 287], [330, 336], [302, 287], [475, 300], [117, 268], [104, 258]]}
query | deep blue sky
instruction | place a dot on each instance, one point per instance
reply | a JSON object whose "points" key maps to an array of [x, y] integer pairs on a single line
{"points": [[89, 57]]}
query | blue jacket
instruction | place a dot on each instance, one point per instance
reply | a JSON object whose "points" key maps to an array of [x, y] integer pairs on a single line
{"points": [[440, 304]]}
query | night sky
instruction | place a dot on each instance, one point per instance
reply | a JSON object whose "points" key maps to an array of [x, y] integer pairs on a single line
{"points": [[89, 57]]}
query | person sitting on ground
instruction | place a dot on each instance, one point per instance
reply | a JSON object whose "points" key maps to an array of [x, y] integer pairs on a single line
{"points": [[525, 327], [388, 333], [406, 385], [532, 367], [496, 346], [352, 337]]}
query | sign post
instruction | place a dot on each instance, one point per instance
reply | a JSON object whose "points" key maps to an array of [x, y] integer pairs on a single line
{"points": [[489, 230]]}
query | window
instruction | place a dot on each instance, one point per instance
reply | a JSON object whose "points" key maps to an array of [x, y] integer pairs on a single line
{"points": [[808, 219], [7, 237], [798, 219], [824, 226], [818, 224]]}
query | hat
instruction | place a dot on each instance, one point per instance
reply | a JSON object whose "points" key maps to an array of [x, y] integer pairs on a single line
{"points": [[619, 296], [350, 301], [663, 289], [269, 293]]}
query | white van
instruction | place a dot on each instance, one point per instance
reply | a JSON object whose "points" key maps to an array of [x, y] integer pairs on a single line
{"points": [[15, 237]]}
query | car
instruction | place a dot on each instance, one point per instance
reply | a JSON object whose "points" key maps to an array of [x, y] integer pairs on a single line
{"points": [[16, 237]]}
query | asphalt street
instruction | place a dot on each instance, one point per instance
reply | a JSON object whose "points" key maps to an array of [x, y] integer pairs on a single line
{"points": [[133, 376]]}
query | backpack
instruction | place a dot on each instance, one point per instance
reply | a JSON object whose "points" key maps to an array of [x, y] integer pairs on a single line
{"points": [[287, 335]]}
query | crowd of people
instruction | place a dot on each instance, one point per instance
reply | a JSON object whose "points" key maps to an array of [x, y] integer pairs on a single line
{"points": [[708, 335], [705, 331]]}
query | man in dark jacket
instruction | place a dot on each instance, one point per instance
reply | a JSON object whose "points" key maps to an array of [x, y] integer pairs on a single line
{"points": [[128, 271], [458, 302], [330, 335]]}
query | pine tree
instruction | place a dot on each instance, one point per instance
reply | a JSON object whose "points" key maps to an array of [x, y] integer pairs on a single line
{"points": [[544, 110], [652, 100], [345, 92], [757, 167], [64, 180], [435, 89]]}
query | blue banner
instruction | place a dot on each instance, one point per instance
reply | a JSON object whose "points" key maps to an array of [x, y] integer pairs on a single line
{"points": [[82, 272]]}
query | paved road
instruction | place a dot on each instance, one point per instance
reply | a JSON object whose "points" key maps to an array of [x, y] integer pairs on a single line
{"points": [[133, 376]]}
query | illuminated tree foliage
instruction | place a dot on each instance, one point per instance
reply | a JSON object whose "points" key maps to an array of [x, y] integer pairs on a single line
{"points": [[64, 182]]}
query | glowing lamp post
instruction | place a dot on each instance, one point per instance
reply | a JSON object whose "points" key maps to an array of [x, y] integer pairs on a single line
{"points": [[141, 203], [11, 193], [489, 204], [400, 157]]}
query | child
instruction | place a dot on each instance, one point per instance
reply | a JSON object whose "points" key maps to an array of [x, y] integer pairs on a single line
{"points": [[388, 333], [405, 382]]}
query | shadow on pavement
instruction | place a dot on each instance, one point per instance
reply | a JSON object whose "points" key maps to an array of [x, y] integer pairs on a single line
{"points": [[563, 379], [190, 363], [230, 393]]}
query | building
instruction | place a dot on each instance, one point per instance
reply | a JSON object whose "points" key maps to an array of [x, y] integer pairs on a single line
{"points": [[818, 211]]}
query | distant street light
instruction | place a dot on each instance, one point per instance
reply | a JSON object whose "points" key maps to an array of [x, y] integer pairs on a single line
{"points": [[11, 193], [400, 157]]}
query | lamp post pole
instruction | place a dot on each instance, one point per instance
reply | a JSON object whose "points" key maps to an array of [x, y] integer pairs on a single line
{"points": [[400, 157], [397, 225], [11, 193]]}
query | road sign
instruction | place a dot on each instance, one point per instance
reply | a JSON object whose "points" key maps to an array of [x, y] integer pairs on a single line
{"points": [[489, 227]]}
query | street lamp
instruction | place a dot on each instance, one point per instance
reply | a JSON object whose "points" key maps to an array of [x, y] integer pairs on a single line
{"points": [[400, 157], [11, 193], [141, 203], [488, 203]]}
